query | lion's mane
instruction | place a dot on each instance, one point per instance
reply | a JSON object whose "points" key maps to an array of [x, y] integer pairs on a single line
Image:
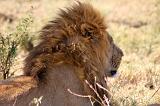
{"points": [[78, 37]]}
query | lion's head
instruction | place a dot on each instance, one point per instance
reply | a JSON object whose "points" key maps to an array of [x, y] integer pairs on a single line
{"points": [[78, 36]]}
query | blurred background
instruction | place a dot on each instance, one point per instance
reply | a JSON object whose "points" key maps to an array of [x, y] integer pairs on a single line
{"points": [[133, 24]]}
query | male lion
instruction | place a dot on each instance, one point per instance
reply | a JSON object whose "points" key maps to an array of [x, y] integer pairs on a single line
{"points": [[74, 48]]}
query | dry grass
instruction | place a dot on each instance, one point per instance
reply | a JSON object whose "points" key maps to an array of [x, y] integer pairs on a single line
{"points": [[135, 28]]}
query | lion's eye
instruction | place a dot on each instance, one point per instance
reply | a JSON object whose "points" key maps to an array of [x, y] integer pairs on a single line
{"points": [[87, 33], [88, 30]]}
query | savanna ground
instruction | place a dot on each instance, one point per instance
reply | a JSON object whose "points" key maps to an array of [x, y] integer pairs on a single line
{"points": [[134, 25]]}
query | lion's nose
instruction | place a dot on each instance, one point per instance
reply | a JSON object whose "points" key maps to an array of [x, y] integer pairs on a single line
{"points": [[113, 72]]}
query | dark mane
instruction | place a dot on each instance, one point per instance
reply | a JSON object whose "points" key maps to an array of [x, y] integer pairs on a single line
{"points": [[69, 23], [73, 17]]}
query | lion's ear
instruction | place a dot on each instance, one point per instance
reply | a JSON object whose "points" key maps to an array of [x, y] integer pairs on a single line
{"points": [[87, 30]]}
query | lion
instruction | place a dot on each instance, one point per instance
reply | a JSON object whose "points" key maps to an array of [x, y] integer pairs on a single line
{"points": [[75, 48]]}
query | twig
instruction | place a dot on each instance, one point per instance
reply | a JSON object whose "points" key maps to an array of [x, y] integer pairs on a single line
{"points": [[14, 104], [84, 96], [100, 86], [106, 100], [155, 93], [102, 101]]}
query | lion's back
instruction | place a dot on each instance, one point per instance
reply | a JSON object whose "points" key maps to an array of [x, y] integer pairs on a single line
{"points": [[60, 80]]}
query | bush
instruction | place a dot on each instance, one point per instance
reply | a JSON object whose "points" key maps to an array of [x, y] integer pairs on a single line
{"points": [[10, 43]]}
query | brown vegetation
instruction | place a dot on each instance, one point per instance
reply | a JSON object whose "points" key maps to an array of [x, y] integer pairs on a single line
{"points": [[8, 18], [75, 47]]}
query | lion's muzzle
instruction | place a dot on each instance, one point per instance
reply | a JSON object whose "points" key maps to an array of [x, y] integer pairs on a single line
{"points": [[113, 72]]}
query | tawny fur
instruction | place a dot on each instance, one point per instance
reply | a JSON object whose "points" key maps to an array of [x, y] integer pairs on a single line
{"points": [[74, 47]]}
